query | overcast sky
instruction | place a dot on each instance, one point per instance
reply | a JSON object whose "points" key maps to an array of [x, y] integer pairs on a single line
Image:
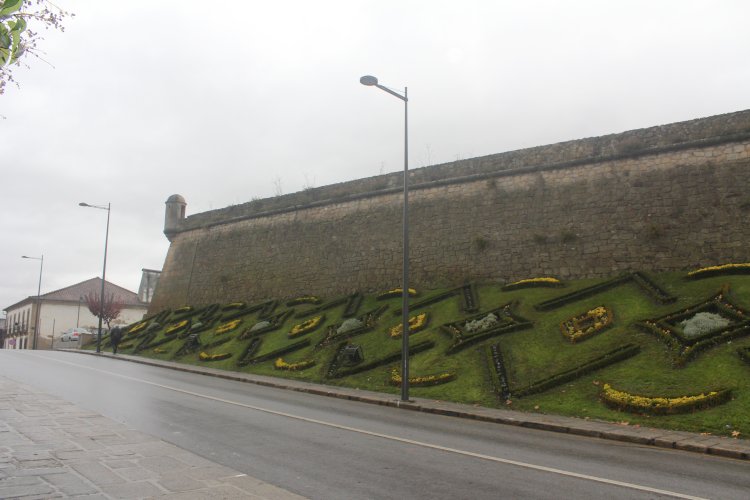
{"points": [[222, 101]]}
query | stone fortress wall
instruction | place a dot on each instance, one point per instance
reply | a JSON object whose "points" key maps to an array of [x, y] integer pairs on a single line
{"points": [[661, 198]]}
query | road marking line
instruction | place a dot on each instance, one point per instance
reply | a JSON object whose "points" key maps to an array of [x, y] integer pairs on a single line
{"points": [[422, 444]]}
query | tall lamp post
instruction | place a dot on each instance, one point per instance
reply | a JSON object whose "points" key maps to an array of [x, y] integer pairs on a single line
{"points": [[371, 81], [104, 272], [38, 298]]}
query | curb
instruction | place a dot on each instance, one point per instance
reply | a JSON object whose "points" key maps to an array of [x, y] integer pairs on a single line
{"points": [[661, 438]]}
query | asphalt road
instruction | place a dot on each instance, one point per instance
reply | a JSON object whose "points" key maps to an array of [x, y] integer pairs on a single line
{"points": [[326, 448]]}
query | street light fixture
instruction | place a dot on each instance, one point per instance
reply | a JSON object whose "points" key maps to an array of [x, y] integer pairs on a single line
{"points": [[104, 271], [38, 298], [371, 81]]}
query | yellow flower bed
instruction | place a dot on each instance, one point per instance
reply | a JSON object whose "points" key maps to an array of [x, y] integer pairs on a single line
{"points": [[427, 380], [416, 323], [157, 350], [213, 357], [227, 327], [531, 281], [234, 305], [280, 364], [306, 326], [661, 405], [587, 324], [176, 326], [745, 266], [183, 309], [137, 327], [307, 299], [397, 292]]}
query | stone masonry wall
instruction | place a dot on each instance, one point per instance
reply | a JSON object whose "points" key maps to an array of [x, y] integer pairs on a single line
{"points": [[656, 206]]}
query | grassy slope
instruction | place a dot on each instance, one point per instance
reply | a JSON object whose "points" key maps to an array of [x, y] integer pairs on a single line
{"points": [[531, 354]]}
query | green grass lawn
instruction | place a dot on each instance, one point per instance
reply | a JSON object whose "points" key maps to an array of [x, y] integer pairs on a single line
{"points": [[529, 355]]}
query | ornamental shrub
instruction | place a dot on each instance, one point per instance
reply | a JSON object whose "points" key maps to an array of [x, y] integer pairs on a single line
{"points": [[702, 322], [481, 324], [349, 325], [260, 325]]}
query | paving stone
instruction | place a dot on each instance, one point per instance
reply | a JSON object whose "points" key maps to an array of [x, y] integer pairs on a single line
{"points": [[264, 490], [132, 437], [223, 492], [140, 489], [44, 463], [97, 473], [191, 459], [136, 474], [20, 481], [213, 472], [38, 488], [179, 481], [161, 464], [77, 454], [118, 463], [70, 483]]}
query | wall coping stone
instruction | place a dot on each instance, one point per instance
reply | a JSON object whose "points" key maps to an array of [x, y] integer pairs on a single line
{"points": [[621, 146]]}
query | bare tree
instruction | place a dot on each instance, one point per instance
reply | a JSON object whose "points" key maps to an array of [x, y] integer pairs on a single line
{"points": [[109, 311]]}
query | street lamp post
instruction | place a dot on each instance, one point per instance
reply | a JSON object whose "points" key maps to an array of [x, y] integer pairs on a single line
{"points": [[104, 271], [38, 298], [371, 81], [78, 316]]}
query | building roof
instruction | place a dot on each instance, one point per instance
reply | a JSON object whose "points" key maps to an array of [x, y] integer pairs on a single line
{"points": [[73, 293]]}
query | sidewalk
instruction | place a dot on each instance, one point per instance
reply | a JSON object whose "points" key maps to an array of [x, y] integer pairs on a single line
{"points": [[50, 448], [663, 438]]}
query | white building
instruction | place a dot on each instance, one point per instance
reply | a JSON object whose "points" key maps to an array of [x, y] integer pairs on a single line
{"points": [[63, 309]]}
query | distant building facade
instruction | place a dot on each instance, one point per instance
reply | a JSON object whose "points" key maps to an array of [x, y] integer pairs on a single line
{"points": [[63, 309], [149, 280]]}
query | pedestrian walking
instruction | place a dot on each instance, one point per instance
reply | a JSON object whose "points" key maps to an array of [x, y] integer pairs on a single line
{"points": [[115, 336]]}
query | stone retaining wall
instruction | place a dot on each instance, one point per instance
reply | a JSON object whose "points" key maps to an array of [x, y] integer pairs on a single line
{"points": [[663, 198]]}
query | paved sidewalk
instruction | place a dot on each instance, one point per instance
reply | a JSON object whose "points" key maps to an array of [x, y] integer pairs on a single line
{"points": [[50, 448], [686, 441]]}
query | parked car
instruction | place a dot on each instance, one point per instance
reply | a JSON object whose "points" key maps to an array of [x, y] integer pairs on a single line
{"points": [[73, 334]]}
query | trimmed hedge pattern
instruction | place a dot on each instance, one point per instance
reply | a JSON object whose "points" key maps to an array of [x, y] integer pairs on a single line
{"points": [[654, 291], [322, 307], [498, 373], [470, 302], [352, 304], [362, 367], [369, 320], [744, 353], [275, 323], [278, 352], [607, 359], [507, 322], [250, 350], [686, 348], [586, 325], [428, 301]]}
